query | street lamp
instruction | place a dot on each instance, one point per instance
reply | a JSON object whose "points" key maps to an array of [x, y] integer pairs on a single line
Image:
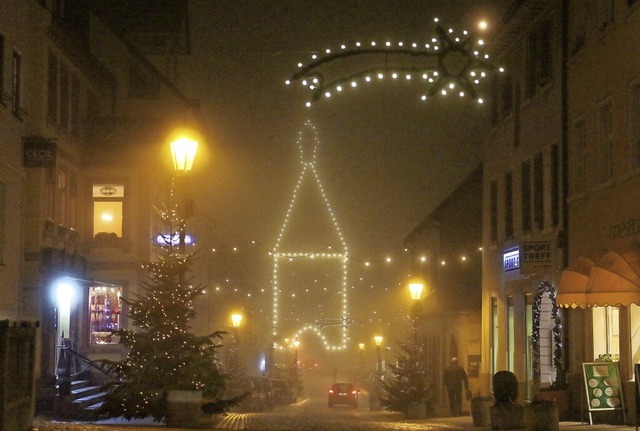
{"points": [[296, 344], [236, 320], [378, 340], [183, 153], [415, 290], [375, 400]]}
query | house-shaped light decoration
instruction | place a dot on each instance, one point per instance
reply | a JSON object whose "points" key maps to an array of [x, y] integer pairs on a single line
{"points": [[310, 261]]}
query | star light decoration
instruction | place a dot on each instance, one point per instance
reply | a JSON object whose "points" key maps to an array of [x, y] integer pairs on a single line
{"points": [[307, 161], [454, 64]]}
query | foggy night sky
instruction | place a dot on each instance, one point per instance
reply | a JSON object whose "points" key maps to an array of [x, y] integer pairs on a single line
{"points": [[386, 158]]}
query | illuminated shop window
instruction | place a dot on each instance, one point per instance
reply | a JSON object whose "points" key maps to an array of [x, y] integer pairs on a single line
{"points": [[606, 331], [104, 314], [635, 333], [107, 210]]}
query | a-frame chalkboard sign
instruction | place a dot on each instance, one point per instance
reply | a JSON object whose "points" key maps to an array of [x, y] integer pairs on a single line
{"points": [[603, 387]]}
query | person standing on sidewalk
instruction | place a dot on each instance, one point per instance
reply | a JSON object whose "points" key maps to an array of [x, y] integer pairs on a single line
{"points": [[454, 378]]}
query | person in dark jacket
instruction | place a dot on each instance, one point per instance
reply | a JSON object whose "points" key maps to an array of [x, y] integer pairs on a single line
{"points": [[454, 378]]}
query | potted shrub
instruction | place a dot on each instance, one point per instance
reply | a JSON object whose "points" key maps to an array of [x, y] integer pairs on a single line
{"points": [[541, 415], [481, 410], [506, 413]]}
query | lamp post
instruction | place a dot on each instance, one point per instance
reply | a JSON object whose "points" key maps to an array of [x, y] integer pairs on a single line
{"points": [[375, 401], [236, 320], [361, 369], [415, 290], [183, 153], [378, 340]]}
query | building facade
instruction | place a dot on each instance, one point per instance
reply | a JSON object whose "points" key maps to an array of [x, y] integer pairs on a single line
{"points": [[523, 237], [601, 284], [445, 251], [84, 158]]}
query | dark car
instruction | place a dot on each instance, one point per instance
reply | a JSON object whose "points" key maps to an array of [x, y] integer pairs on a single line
{"points": [[343, 394]]}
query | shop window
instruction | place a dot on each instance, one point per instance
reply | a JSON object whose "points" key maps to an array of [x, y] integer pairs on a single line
{"points": [[635, 333], [104, 314], [107, 210], [511, 334], [494, 335], [606, 331], [528, 312]]}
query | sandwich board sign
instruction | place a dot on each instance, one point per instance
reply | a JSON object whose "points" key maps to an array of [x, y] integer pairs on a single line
{"points": [[603, 387]]}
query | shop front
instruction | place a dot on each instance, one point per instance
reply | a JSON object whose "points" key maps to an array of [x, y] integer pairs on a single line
{"points": [[602, 295]]}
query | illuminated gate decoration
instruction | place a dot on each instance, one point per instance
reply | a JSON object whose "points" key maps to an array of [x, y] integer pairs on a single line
{"points": [[449, 63], [310, 276]]}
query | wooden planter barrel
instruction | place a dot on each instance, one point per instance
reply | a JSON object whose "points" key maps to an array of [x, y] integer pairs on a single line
{"points": [[183, 408]]}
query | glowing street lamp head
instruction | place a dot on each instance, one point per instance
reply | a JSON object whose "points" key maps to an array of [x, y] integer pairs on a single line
{"points": [[296, 343], [415, 289], [183, 152], [361, 346], [378, 340], [236, 319]]}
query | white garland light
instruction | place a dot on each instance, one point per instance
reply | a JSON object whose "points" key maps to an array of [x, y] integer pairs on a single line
{"points": [[309, 168], [444, 43]]}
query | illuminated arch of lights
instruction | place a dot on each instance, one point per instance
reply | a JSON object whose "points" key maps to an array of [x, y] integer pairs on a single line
{"points": [[456, 64], [307, 160]]}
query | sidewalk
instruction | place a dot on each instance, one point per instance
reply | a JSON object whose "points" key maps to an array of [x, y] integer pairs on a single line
{"points": [[465, 422]]}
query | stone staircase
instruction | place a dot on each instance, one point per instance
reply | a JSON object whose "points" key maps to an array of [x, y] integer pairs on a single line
{"points": [[82, 402], [80, 393]]}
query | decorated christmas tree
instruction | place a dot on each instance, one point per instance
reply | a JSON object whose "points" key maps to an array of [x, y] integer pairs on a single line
{"points": [[162, 353], [408, 383]]}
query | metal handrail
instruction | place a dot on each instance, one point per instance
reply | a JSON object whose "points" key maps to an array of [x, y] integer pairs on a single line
{"points": [[87, 361]]}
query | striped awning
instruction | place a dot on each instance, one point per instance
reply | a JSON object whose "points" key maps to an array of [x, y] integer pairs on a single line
{"points": [[613, 279]]}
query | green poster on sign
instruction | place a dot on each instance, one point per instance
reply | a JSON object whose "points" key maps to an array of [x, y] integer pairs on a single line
{"points": [[603, 386]]}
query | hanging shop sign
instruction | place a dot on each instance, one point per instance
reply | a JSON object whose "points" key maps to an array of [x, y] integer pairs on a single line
{"points": [[536, 257], [511, 260], [38, 152]]}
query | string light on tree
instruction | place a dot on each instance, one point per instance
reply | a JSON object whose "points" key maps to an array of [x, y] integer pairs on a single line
{"points": [[453, 63], [308, 164]]}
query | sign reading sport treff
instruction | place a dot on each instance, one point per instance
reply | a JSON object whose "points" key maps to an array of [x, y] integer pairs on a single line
{"points": [[536, 257]]}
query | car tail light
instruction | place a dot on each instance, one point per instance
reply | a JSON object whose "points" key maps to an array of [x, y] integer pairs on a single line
{"points": [[354, 392]]}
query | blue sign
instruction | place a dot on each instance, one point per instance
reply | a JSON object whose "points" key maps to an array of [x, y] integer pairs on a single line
{"points": [[173, 239], [511, 260]]}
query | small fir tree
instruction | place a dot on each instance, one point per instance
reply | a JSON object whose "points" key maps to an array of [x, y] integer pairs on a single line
{"points": [[408, 382], [163, 354]]}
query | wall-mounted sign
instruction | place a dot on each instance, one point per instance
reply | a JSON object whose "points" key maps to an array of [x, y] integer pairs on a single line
{"points": [[173, 240], [108, 191], [38, 152], [536, 257], [511, 260]]}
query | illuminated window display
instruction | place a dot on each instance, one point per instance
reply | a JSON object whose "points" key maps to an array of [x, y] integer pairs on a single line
{"points": [[104, 314]]}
